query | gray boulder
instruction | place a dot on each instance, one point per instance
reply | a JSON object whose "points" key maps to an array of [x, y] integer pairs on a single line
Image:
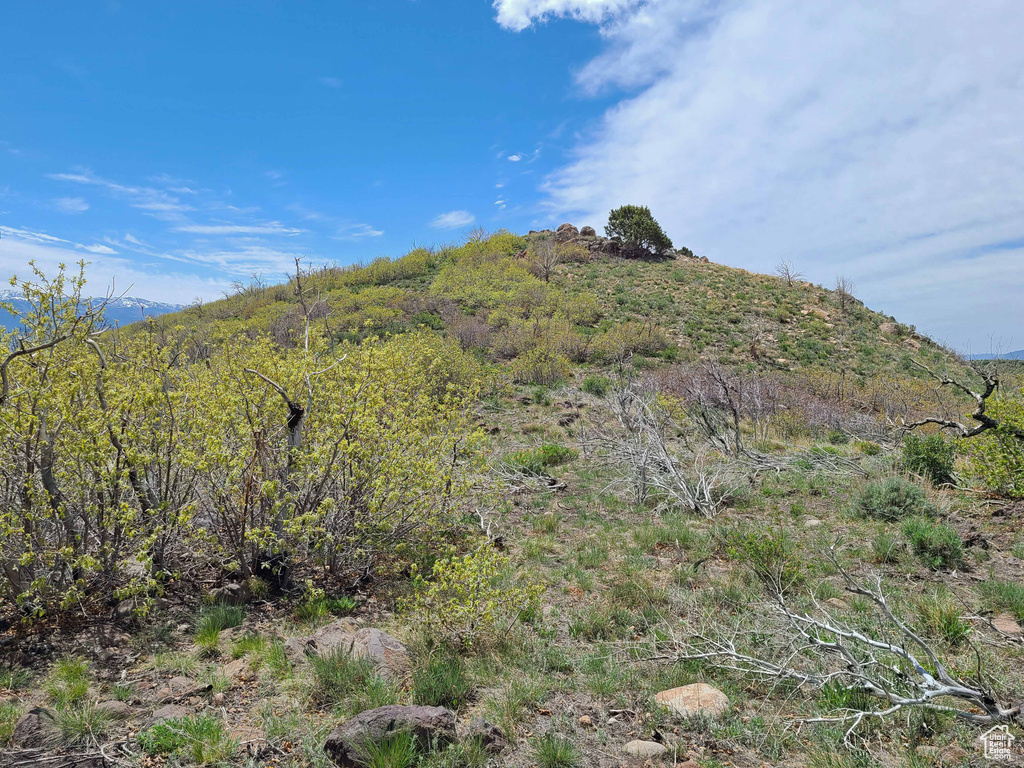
{"points": [[431, 726], [588, 232], [388, 654]]}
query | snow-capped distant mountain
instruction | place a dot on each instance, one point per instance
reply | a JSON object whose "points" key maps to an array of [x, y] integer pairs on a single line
{"points": [[122, 311]]}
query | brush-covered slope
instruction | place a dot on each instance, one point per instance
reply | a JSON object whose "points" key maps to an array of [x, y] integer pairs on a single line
{"points": [[504, 296]]}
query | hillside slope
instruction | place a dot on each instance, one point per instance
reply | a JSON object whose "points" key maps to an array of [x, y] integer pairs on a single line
{"points": [[596, 305]]}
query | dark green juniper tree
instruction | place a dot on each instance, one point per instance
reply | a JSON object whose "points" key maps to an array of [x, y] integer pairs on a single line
{"points": [[636, 227]]}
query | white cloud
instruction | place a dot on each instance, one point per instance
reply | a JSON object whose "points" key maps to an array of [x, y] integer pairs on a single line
{"points": [[100, 249], [330, 82], [105, 272], [453, 220], [517, 15], [71, 205], [515, 158], [358, 232], [881, 141], [272, 228], [157, 202]]}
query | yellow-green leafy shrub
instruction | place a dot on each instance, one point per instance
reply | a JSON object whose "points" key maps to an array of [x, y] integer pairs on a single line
{"points": [[473, 598], [541, 365], [997, 456]]}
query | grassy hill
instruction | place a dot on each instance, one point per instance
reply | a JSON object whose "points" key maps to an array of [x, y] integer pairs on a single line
{"points": [[565, 482]]}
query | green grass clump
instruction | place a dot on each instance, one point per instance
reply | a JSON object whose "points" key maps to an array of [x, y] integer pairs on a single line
{"points": [[9, 714], [596, 385], [1004, 596], [886, 548], [14, 679], [893, 499], [68, 682], [553, 751], [81, 724], [339, 678], [200, 739], [941, 616], [209, 623], [396, 750], [441, 682], [220, 617], [534, 461], [249, 645], [937, 545]]}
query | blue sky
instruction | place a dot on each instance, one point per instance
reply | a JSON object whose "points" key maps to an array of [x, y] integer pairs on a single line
{"points": [[182, 146]]}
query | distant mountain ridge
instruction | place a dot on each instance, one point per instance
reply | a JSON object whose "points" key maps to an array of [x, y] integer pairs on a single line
{"points": [[1016, 355], [122, 311]]}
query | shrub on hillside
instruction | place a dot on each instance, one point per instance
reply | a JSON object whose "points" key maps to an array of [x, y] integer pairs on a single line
{"points": [[937, 545], [997, 456], [541, 366], [636, 227], [468, 599], [596, 385], [931, 456], [533, 461], [893, 499]]}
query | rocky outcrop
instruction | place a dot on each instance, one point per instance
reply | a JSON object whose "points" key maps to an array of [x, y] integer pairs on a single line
{"points": [[337, 634], [566, 233], [587, 238], [117, 710], [431, 726], [695, 699]]}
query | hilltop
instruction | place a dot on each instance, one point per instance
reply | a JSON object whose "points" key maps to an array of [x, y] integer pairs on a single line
{"points": [[524, 500], [674, 306]]}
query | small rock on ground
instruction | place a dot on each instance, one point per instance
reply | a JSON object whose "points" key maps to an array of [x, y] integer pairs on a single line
{"points": [[115, 709], [638, 748], [1005, 623], [167, 712], [694, 699]]}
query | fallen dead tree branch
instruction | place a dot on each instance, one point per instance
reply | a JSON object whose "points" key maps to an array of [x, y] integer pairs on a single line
{"points": [[892, 664]]}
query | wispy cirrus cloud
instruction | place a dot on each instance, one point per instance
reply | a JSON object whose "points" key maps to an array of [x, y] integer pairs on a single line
{"points": [[269, 228], [153, 201], [71, 205], [453, 220], [358, 232], [43, 238]]}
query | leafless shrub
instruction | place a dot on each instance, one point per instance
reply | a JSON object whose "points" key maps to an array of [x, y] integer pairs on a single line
{"points": [[844, 292], [788, 273], [694, 480], [470, 332]]}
